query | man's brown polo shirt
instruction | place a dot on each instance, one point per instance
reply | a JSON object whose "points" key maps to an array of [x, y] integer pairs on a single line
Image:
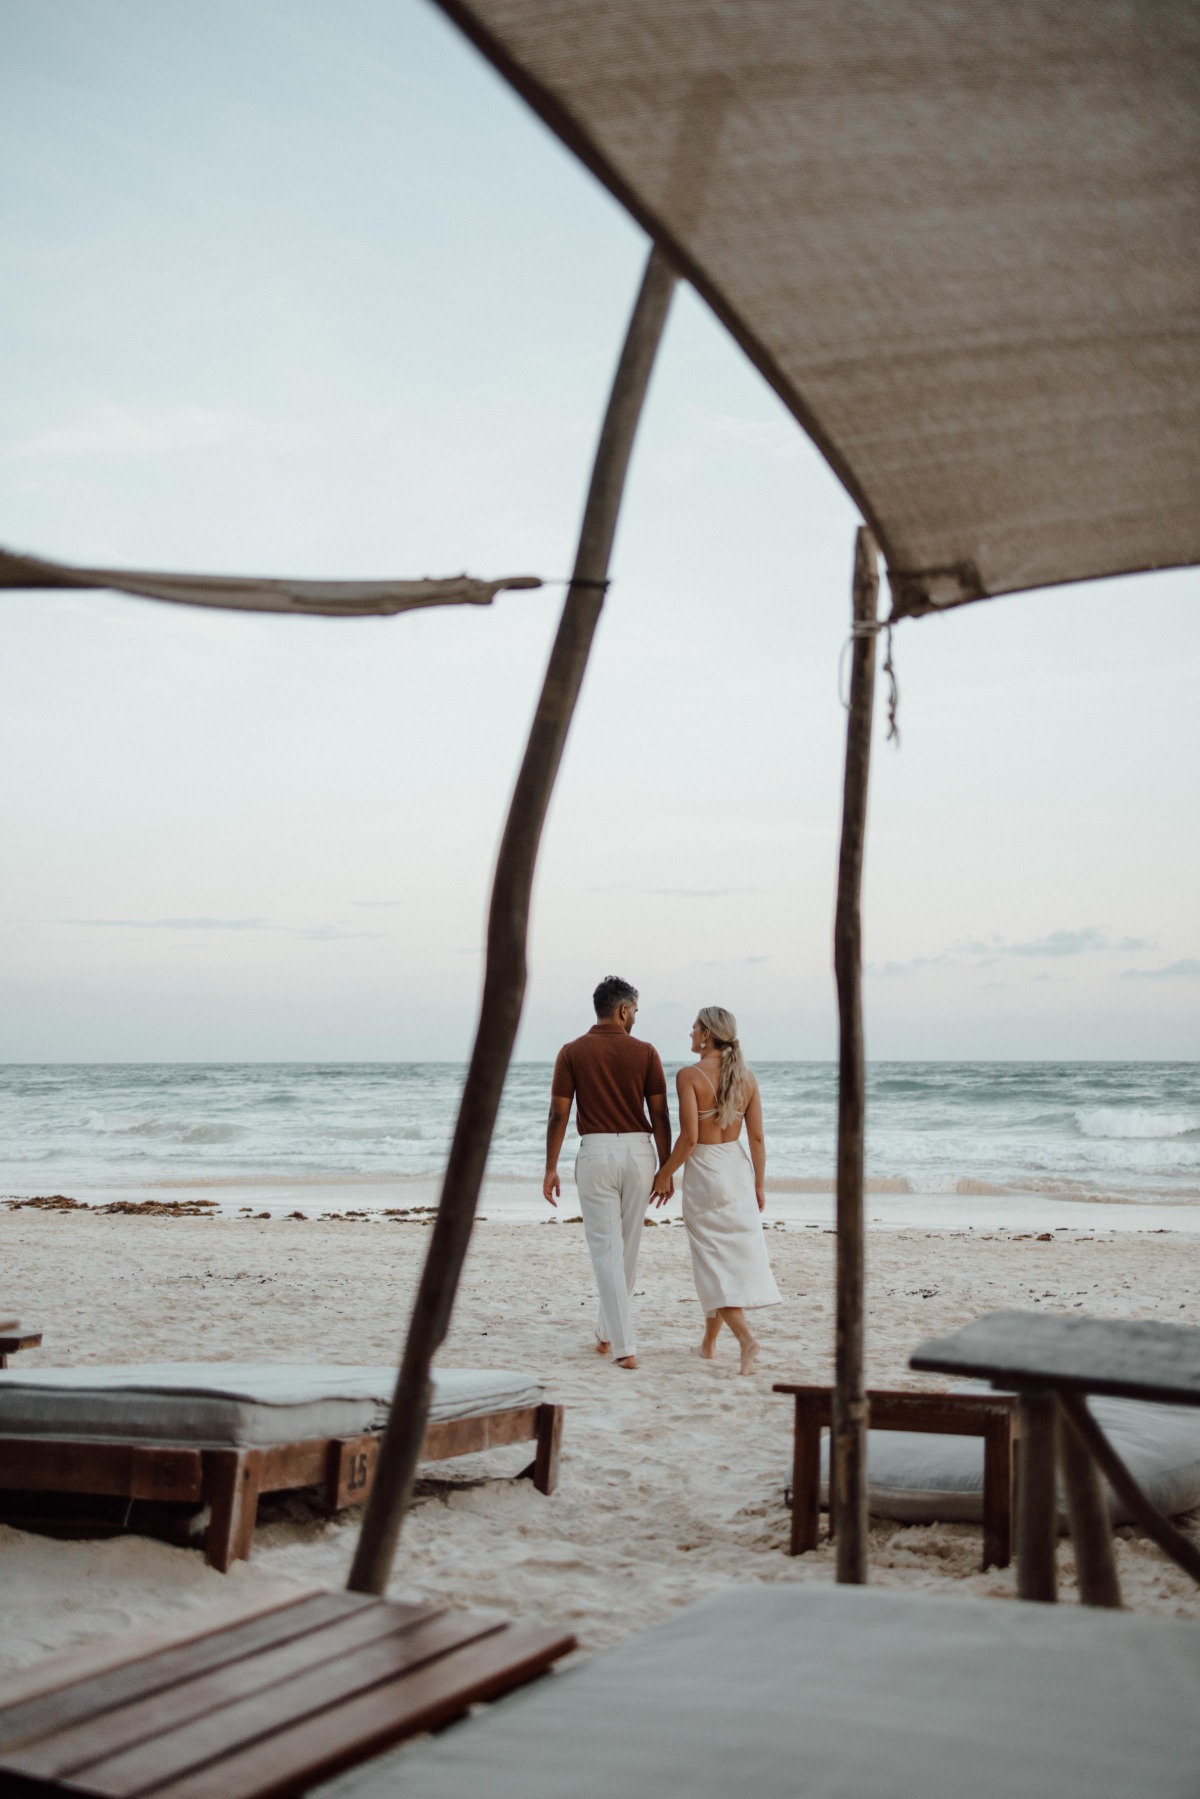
{"points": [[610, 1075]]}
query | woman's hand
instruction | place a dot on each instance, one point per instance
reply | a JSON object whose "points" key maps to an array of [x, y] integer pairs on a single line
{"points": [[761, 1196], [663, 1188]]}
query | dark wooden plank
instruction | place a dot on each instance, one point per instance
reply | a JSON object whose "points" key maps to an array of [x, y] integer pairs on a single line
{"points": [[128, 1470], [96, 1739], [1091, 1526], [104, 1654], [1130, 1358], [998, 1445], [1037, 1500], [283, 1466], [811, 1414], [319, 1747], [36, 1718], [351, 1469], [231, 1484], [13, 1341], [168, 1757], [467, 1436], [549, 1447], [939, 1414]]}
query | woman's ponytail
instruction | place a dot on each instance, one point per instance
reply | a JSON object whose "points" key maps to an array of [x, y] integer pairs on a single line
{"points": [[733, 1082]]}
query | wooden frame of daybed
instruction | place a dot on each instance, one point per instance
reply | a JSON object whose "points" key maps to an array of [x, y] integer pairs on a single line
{"points": [[231, 1479]]}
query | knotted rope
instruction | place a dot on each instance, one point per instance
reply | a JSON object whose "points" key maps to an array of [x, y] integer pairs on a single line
{"points": [[871, 627]]}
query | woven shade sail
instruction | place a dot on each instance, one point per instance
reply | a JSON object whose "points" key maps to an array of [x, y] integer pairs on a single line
{"points": [[254, 593], [961, 240]]}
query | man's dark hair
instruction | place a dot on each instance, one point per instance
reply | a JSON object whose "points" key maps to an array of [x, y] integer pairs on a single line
{"points": [[611, 993]]}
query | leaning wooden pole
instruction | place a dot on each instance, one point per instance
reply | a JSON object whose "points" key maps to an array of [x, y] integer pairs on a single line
{"points": [[508, 922], [849, 1471]]}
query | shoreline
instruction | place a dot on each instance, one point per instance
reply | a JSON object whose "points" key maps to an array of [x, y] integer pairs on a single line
{"points": [[801, 1204]]}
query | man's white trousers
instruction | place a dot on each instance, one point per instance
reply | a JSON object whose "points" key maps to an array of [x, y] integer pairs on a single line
{"points": [[614, 1172]]}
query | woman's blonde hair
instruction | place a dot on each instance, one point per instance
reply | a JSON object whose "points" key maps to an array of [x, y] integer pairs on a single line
{"points": [[733, 1082]]}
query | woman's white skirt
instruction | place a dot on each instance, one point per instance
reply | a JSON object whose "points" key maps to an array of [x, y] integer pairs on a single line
{"points": [[724, 1227]]}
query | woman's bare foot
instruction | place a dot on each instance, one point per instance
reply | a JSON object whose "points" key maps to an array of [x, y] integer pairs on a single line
{"points": [[602, 1348], [750, 1349], [627, 1361]]}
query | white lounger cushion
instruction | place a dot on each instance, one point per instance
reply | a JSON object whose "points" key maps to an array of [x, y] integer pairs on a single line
{"points": [[916, 1478], [235, 1402], [799, 1692]]}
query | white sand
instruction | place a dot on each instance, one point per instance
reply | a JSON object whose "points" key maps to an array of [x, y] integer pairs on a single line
{"points": [[672, 1475]]}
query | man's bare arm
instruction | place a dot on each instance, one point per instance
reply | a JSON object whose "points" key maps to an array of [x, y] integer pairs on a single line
{"points": [[556, 1130]]}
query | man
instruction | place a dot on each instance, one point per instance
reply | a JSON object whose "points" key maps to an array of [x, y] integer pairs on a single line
{"points": [[613, 1078]]}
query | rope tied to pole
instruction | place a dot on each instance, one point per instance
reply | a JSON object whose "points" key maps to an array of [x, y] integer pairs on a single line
{"points": [[860, 628]]}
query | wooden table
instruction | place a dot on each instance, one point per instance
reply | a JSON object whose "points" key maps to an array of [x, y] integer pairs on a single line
{"points": [[267, 1706], [1052, 1363], [13, 1340], [991, 1416]]}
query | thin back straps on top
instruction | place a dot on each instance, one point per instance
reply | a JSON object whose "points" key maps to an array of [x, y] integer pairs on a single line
{"points": [[712, 1110]]}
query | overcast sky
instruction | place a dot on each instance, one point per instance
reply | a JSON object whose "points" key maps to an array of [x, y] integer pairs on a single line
{"points": [[302, 288]]}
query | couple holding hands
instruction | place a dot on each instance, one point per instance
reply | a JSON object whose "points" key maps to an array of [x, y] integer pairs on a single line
{"points": [[626, 1159]]}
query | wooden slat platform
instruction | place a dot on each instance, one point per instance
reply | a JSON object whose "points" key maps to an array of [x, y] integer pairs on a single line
{"points": [[265, 1707], [233, 1479]]}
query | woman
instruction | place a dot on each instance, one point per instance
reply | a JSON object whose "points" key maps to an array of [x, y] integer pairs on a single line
{"points": [[723, 1190]]}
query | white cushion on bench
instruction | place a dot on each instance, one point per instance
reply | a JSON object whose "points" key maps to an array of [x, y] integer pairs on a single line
{"points": [[801, 1692], [235, 1402], [916, 1478]]}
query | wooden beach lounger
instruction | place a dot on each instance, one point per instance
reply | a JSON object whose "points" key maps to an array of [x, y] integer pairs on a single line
{"points": [[798, 1692], [223, 1433], [266, 1705]]}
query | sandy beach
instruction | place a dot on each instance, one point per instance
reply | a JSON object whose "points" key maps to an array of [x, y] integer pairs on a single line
{"points": [[672, 1476]]}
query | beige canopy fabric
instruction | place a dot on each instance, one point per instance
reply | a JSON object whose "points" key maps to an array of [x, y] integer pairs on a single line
{"points": [[254, 593], [961, 240]]}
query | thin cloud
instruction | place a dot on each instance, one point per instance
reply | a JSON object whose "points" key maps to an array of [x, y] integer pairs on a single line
{"points": [[1188, 969], [1056, 943], [703, 892], [317, 933], [114, 431], [892, 970], [175, 924], [327, 933], [398, 902], [734, 962]]}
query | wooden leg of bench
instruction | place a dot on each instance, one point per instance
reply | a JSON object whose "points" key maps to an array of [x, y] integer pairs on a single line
{"points": [[231, 1483], [1091, 1526], [997, 1493], [549, 1442], [806, 1477], [1037, 1498]]}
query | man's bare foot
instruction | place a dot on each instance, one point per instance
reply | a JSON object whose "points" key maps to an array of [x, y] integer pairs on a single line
{"points": [[627, 1361], [602, 1348], [750, 1351]]}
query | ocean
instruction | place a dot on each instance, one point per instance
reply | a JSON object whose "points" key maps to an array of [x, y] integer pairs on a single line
{"points": [[973, 1141]]}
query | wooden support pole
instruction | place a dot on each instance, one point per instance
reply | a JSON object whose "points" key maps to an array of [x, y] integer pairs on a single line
{"points": [[508, 923], [1091, 1526], [1037, 1498], [848, 1485], [1170, 1539]]}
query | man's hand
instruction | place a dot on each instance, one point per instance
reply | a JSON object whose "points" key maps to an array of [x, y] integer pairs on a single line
{"points": [[663, 1188], [552, 1187]]}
